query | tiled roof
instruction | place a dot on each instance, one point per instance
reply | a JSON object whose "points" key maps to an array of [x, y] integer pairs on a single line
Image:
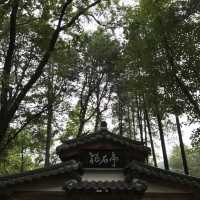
{"points": [[142, 171], [66, 167], [136, 186], [102, 134]]}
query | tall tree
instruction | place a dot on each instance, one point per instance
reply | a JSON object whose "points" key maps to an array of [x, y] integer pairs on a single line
{"points": [[162, 140], [183, 154], [50, 99], [12, 99], [150, 137], [99, 54]]}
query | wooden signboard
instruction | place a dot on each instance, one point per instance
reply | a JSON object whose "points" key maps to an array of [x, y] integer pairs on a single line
{"points": [[102, 158]]}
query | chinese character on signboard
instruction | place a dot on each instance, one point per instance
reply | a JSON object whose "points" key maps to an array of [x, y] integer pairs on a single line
{"points": [[97, 159]]}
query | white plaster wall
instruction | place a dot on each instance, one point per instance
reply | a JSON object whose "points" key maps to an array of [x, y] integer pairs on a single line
{"points": [[103, 175]]}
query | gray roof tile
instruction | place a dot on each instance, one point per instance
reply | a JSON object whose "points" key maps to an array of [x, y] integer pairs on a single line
{"points": [[66, 167], [137, 169]]}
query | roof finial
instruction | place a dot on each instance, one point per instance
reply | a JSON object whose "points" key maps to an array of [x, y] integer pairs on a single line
{"points": [[103, 125]]}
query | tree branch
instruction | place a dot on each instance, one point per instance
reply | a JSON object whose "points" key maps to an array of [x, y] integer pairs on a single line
{"points": [[47, 54], [79, 13], [9, 58], [97, 21], [41, 65], [28, 121]]}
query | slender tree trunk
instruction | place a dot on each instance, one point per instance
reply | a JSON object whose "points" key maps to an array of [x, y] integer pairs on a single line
{"points": [[80, 129], [98, 112], [133, 122], [145, 137], [151, 138], [49, 117], [49, 135], [22, 158], [85, 95], [120, 118], [139, 118], [183, 155], [145, 133], [129, 122], [162, 139], [97, 120], [82, 118], [120, 114]]}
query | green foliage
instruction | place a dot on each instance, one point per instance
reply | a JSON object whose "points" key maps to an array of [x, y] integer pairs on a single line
{"points": [[12, 163], [192, 154], [19, 157], [72, 125], [102, 48], [195, 138], [159, 46], [159, 42]]}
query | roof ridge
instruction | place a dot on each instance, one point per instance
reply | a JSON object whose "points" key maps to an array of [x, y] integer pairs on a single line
{"points": [[101, 134]]}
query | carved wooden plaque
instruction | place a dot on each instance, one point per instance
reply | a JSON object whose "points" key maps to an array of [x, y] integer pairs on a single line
{"points": [[103, 158]]}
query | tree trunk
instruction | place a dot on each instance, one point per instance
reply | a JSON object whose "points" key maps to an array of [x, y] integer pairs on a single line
{"points": [[151, 138], [98, 112], [145, 133], [22, 158], [49, 136], [133, 122], [81, 127], [145, 138], [162, 139], [4, 125], [5, 115], [81, 119], [49, 117], [183, 155], [120, 114], [139, 118], [85, 95], [97, 121], [129, 122], [120, 118]]}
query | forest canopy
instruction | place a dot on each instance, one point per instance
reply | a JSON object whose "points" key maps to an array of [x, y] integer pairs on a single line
{"points": [[67, 65]]}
